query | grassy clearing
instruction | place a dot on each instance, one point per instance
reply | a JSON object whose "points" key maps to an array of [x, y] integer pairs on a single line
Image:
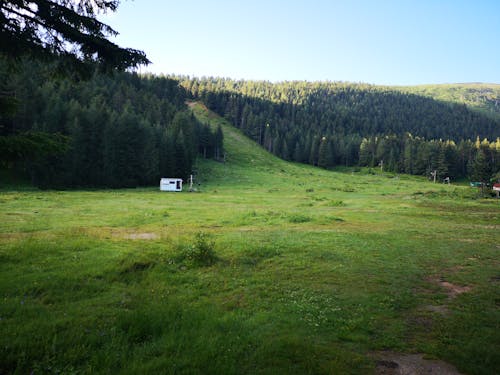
{"points": [[312, 271]]}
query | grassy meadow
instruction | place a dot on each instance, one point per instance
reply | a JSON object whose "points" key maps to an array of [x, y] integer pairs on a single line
{"points": [[269, 268]]}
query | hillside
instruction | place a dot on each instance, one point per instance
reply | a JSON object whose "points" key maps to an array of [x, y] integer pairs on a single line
{"points": [[337, 108], [119, 130], [329, 124]]}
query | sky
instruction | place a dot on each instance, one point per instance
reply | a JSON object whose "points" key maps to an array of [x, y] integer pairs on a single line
{"points": [[384, 42]]}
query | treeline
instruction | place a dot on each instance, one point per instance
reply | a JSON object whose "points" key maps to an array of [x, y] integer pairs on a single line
{"points": [[329, 124], [120, 131], [478, 160]]}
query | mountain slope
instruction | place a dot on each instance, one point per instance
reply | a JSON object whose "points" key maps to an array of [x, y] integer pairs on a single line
{"points": [[246, 163], [340, 109], [330, 124]]}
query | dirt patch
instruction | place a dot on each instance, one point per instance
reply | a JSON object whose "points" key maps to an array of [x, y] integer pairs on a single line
{"points": [[121, 233], [480, 226], [142, 236], [468, 240], [388, 363], [452, 290]]}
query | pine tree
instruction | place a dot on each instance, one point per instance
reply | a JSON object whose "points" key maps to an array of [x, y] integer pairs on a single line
{"points": [[441, 163], [481, 169], [298, 153], [205, 139], [219, 143], [323, 157], [313, 156], [65, 29], [365, 153], [182, 169]]}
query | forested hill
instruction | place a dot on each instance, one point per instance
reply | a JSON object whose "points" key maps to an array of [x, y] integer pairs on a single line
{"points": [[120, 130], [329, 123], [349, 108]]}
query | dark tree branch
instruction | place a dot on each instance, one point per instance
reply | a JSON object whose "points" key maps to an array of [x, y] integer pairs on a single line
{"points": [[64, 29]]}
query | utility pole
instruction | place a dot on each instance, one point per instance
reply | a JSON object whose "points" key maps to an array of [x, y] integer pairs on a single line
{"points": [[434, 174]]}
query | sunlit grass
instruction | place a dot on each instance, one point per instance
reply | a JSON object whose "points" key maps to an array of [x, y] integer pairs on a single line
{"points": [[314, 271]]}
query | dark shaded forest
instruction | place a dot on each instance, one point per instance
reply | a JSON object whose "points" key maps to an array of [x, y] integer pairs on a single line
{"points": [[329, 124], [119, 130], [126, 130]]}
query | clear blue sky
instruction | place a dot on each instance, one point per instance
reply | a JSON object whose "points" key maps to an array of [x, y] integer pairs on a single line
{"points": [[393, 42]]}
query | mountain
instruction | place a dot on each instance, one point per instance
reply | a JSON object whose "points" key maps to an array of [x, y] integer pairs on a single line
{"points": [[334, 123]]}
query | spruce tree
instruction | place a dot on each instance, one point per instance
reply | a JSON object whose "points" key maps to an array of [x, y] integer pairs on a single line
{"points": [[441, 163], [323, 153], [64, 29], [219, 142], [481, 169]]}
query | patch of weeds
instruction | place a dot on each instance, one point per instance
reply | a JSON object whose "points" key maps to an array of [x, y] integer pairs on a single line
{"points": [[320, 199], [249, 215], [138, 327], [447, 193], [272, 215], [136, 267], [330, 219], [336, 203], [314, 309], [132, 270], [256, 255], [344, 189], [201, 252], [309, 190], [348, 189], [299, 218], [268, 216], [334, 218], [306, 204]]}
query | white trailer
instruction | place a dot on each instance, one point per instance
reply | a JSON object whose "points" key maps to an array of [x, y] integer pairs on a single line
{"points": [[171, 184]]}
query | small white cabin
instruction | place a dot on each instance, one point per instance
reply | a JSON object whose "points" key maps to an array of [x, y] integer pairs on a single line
{"points": [[171, 184]]}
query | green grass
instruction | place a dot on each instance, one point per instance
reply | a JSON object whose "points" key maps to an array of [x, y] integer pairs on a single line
{"points": [[313, 271]]}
